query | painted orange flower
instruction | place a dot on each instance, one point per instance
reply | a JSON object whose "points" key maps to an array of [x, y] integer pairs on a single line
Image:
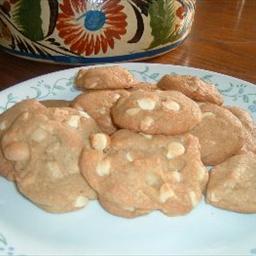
{"points": [[91, 26]]}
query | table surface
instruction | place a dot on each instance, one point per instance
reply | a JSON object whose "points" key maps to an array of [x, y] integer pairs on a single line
{"points": [[223, 39]]}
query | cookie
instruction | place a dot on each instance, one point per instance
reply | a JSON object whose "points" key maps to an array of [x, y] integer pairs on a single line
{"points": [[111, 77], [116, 210], [6, 119], [156, 112], [135, 174], [45, 147], [98, 105], [192, 86], [55, 103], [232, 184], [249, 128], [143, 86], [220, 134]]}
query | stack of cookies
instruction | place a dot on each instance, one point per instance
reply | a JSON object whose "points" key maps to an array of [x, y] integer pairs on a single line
{"points": [[135, 147]]}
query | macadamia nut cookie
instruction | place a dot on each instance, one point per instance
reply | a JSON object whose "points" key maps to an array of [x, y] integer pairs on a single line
{"points": [[137, 173], [232, 184], [111, 77], [44, 148], [192, 86], [6, 119], [158, 112], [220, 134]]}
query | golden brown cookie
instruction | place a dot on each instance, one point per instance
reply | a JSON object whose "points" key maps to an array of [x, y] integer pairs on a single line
{"points": [[192, 86], [249, 128], [134, 174], [232, 184], [55, 103], [143, 86], [98, 105], [156, 112], [220, 134], [127, 212], [44, 147], [111, 77], [6, 119]]}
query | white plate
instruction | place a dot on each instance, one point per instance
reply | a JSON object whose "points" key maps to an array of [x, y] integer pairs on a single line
{"points": [[27, 230]]}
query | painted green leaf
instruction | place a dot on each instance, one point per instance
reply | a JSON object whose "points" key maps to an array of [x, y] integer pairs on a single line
{"points": [[245, 98], [3, 240], [162, 17], [27, 16], [154, 76], [241, 90]]}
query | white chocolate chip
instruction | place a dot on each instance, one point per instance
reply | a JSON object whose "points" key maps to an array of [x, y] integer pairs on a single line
{"points": [[146, 103], [81, 201], [103, 168], [175, 149], [208, 114], [213, 198], [54, 169], [99, 141], [201, 172], [3, 125], [171, 105], [25, 116], [39, 135], [193, 198], [146, 123], [176, 176], [84, 114], [116, 96], [92, 85], [129, 157], [74, 121], [130, 209], [132, 111], [17, 151], [153, 180], [147, 136], [166, 193], [102, 111]]}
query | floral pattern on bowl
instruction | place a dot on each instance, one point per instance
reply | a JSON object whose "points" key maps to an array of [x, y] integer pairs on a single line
{"points": [[93, 31]]}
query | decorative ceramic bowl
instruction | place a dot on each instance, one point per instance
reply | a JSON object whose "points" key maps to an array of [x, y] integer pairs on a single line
{"points": [[93, 31]]}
